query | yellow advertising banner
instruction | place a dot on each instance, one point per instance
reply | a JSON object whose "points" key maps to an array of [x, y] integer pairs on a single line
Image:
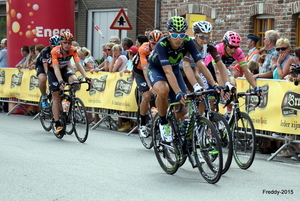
{"points": [[278, 111]]}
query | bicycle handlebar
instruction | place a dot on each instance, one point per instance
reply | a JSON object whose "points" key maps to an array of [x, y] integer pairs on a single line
{"points": [[241, 94], [79, 82]]}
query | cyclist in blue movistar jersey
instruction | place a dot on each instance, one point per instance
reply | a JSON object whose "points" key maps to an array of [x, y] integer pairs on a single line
{"points": [[164, 73]]}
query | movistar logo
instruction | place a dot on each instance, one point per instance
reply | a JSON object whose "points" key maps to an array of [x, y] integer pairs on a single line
{"points": [[163, 43], [186, 39], [175, 60]]}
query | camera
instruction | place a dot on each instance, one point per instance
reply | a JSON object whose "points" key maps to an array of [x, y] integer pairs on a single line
{"points": [[296, 71]]}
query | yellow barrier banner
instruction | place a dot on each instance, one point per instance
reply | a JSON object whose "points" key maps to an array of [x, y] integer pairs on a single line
{"points": [[278, 111], [110, 91]]}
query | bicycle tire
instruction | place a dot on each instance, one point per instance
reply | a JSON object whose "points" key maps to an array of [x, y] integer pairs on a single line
{"points": [[45, 116], [81, 126], [59, 136], [244, 140], [165, 154], [225, 135], [206, 145], [148, 141]]}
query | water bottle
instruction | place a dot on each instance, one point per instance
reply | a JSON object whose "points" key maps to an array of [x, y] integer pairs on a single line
{"points": [[65, 104], [184, 126], [154, 111]]}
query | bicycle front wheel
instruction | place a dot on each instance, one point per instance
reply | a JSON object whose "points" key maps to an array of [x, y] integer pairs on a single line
{"points": [[45, 116], [243, 134], [224, 133], [80, 120], [207, 150], [166, 154]]}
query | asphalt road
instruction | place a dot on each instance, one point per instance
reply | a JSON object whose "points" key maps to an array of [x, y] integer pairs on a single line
{"points": [[35, 165]]}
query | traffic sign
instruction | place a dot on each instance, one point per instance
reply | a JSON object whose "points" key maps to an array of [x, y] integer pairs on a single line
{"points": [[121, 21]]}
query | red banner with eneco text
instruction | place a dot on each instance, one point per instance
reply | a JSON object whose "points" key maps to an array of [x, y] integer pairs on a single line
{"points": [[33, 22]]}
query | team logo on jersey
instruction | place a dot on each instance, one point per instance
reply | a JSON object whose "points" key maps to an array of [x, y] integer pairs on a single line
{"points": [[177, 59]]}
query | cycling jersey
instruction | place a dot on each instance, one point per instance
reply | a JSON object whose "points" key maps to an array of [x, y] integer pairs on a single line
{"points": [[57, 56], [44, 57], [163, 55]]}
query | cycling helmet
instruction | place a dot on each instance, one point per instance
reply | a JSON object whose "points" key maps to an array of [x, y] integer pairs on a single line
{"points": [[54, 40], [232, 38], [202, 27], [177, 24], [155, 35], [66, 37]]}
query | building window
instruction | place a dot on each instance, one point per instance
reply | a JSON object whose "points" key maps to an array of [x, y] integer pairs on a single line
{"points": [[2, 27], [263, 23]]}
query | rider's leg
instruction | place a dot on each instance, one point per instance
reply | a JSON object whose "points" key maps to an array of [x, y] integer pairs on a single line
{"points": [[162, 89], [144, 106]]}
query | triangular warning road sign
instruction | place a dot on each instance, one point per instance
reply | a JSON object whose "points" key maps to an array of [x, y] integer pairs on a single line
{"points": [[121, 21]]}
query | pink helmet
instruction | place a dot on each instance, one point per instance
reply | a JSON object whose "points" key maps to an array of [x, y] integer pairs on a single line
{"points": [[232, 38]]}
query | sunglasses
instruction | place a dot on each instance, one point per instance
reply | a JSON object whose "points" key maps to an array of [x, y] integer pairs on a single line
{"points": [[108, 49], [232, 47], [175, 35], [203, 37], [281, 48], [112, 41]]}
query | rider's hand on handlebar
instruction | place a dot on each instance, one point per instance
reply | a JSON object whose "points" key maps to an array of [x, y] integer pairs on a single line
{"points": [[62, 85], [180, 97], [258, 91]]}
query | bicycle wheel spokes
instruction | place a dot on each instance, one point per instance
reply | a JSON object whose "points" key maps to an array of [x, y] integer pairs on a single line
{"points": [[45, 116], [243, 141], [225, 136], [208, 151], [80, 121], [165, 154], [148, 141]]}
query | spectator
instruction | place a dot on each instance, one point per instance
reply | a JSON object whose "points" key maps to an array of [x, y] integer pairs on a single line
{"points": [[270, 40], [262, 57], [129, 66], [119, 61], [72, 62], [282, 65], [147, 32], [253, 67], [140, 40], [89, 62], [3, 53], [236, 71], [253, 53], [107, 56], [31, 60], [114, 39], [126, 43], [25, 55], [292, 76]]}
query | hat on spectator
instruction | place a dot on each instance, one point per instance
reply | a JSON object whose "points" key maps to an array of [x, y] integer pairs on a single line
{"points": [[133, 49], [253, 37], [238, 68]]}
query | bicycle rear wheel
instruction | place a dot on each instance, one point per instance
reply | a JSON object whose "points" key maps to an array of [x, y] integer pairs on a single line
{"points": [[148, 141], [225, 136], [45, 116], [207, 150], [166, 154], [243, 140], [80, 120]]}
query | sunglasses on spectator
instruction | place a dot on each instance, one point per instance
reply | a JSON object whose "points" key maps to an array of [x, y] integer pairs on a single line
{"points": [[232, 47], [281, 48], [108, 50], [113, 41], [175, 35], [203, 37]]}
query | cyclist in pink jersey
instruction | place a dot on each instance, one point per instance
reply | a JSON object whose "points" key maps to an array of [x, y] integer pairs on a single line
{"points": [[230, 51]]}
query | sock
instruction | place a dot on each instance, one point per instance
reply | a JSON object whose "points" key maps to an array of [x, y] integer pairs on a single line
{"points": [[44, 97], [163, 120], [143, 120], [228, 111]]}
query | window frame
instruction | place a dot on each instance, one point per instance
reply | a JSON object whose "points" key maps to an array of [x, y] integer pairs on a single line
{"points": [[263, 23]]}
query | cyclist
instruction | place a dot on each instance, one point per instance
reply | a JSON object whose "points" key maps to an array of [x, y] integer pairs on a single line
{"points": [[42, 68], [202, 31], [164, 73], [59, 73], [230, 51], [140, 75]]}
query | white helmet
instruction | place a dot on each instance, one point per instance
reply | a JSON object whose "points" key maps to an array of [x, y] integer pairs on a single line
{"points": [[202, 27]]}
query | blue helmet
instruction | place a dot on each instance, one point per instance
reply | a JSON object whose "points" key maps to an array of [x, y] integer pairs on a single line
{"points": [[54, 40]]}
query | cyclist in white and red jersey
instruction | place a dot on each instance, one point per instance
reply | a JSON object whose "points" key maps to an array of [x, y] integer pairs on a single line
{"points": [[59, 73], [230, 51]]}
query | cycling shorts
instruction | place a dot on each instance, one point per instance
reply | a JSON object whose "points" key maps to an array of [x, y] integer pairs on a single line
{"points": [[52, 80]]}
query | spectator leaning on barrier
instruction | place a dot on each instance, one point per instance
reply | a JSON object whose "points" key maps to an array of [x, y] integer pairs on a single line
{"points": [[253, 67], [3, 53], [89, 62], [107, 56], [271, 37], [253, 53], [282, 65], [25, 55], [119, 61]]}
